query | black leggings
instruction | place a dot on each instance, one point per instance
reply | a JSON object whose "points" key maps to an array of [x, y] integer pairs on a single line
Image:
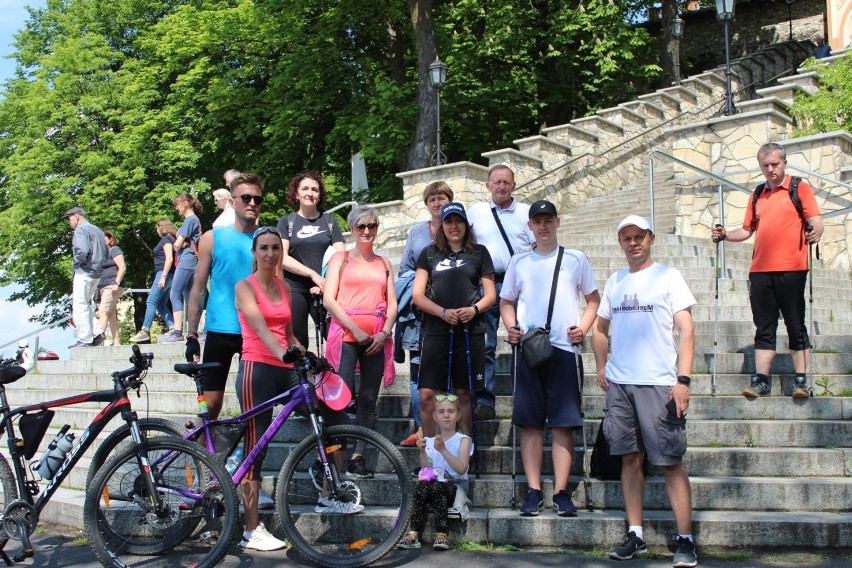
{"points": [[439, 494], [302, 305], [371, 368]]}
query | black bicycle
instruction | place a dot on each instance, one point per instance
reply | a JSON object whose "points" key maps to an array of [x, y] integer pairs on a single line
{"points": [[329, 516], [138, 510]]}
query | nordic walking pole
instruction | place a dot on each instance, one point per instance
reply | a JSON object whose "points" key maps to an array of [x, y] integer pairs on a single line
{"points": [[472, 397], [587, 484], [450, 364], [320, 321], [513, 502], [808, 229], [718, 269]]}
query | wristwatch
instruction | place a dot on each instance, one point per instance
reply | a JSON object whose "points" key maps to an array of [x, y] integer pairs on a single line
{"points": [[684, 379]]}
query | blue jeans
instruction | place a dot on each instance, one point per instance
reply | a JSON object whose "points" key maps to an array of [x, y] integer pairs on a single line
{"points": [[158, 300], [492, 322]]}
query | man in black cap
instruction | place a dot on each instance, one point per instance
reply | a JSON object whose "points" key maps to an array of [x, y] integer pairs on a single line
{"points": [[550, 391], [90, 254]]}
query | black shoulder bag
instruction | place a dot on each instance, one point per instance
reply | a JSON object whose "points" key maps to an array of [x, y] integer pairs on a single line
{"points": [[535, 343]]}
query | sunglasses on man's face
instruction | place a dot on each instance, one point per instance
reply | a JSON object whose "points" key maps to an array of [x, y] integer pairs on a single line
{"points": [[246, 199], [443, 397]]}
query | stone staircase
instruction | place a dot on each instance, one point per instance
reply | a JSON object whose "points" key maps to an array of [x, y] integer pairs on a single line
{"points": [[773, 472]]}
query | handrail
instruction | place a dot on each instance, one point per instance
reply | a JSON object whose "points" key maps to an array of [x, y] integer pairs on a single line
{"points": [[341, 206]]}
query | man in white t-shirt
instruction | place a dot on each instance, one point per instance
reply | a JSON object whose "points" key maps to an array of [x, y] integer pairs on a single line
{"points": [[551, 391], [647, 382], [500, 225]]}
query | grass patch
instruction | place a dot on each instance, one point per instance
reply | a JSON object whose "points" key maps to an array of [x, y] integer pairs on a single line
{"points": [[470, 546], [824, 351], [846, 392], [81, 541], [733, 556]]}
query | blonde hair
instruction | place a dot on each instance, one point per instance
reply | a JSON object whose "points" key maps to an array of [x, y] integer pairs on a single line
{"points": [[459, 424]]}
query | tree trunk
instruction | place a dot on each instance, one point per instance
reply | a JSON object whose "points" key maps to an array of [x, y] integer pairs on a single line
{"points": [[424, 37]]}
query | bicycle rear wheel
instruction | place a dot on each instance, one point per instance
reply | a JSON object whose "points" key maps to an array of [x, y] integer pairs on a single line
{"points": [[8, 492], [194, 525], [368, 515]]}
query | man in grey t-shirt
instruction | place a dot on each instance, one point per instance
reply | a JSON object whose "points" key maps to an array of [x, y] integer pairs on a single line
{"points": [[90, 253]]}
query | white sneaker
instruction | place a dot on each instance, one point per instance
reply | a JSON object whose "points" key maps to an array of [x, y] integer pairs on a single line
{"points": [[334, 507], [260, 539], [264, 502]]}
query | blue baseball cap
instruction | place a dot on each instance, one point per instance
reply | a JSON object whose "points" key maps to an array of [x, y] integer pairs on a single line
{"points": [[453, 209]]}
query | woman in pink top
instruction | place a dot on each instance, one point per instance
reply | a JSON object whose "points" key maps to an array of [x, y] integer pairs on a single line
{"points": [[359, 294]]}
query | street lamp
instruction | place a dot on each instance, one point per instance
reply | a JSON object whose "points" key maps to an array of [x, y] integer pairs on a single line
{"points": [[677, 32], [790, 17], [725, 13], [438, 77]]}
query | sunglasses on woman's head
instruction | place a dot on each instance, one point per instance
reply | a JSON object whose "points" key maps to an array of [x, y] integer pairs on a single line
{"points": [[263, 230], [246, 198], [371, 226], [443, 397]]}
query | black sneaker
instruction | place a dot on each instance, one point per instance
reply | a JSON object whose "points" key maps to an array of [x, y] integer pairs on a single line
{"points": [[800, 387], [631, 546], [533, 503], [685, 556], [760, 386], [563, 506], [98, 340], [357, 469]]}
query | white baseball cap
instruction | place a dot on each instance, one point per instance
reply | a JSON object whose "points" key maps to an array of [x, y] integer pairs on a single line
{"points": [[636, 220]]}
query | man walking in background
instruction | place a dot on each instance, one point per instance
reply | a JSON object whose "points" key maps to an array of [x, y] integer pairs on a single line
{"points": [[90, 254]]}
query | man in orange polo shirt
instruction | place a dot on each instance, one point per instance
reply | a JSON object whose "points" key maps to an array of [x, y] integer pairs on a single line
{"points": [[779, 267]]}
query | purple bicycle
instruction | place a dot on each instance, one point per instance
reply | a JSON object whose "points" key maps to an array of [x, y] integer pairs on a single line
{"points": [[329, 516]]}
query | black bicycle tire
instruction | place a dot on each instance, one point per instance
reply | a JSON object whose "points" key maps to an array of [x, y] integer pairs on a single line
{"points": [[10, 491], [121, 435], [212, 469], [388, 543]]}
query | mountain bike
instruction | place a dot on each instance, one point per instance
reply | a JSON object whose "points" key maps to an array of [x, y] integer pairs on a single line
{"points": [[132, 511], [329, 516]]}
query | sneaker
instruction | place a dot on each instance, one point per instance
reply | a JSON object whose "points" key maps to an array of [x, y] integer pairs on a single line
{"points": [[409, 541], [441, 542], [563, 506], [98, 340], [685, 556], [265, 502], [335, 507], [171, 337], [409, 442], [142, 337], [631, 546], [260, 539], [800, 388], [483, 412], [79, 344], [357, 469], [760, 386], [533, 503]]}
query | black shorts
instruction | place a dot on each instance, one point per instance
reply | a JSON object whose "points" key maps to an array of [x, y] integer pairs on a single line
{"points": [[435, 361], [548, 392], [220, 348], [773, 292]]}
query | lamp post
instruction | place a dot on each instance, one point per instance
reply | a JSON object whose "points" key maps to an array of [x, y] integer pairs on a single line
{"points": [[438, 77], [677, 33], [790, 18], [725, 13]]}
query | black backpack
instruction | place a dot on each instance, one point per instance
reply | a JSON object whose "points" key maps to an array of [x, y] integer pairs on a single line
{"points": [[794, 198]]}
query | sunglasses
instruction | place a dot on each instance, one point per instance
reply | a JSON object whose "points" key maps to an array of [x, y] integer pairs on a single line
{"points": [[371, 226], [263, 230], [443, 397], [246, 199]]}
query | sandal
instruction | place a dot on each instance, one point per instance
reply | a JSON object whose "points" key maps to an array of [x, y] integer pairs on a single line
{"points": [[441, 542], [409, 442], [409, 541]]}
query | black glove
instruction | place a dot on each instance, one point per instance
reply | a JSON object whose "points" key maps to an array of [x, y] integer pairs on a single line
{"points": [[193, 349]]}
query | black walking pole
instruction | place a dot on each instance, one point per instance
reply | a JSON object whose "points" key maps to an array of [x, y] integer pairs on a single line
{"points": [[718, 269], [808, 229], [513, 502], [471, 395], [587, 484]]}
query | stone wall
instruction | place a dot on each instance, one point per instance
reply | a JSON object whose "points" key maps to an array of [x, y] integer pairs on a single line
{"points": [[757, 25]]}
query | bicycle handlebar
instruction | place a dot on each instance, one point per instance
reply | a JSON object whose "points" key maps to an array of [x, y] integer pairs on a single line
{"points": [[141, 363]]}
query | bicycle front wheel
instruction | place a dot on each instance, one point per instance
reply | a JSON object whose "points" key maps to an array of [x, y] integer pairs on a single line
{"points": [[363, 518], [191, 520]]}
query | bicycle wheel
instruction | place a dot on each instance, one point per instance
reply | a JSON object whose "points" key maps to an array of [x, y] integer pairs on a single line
{"points": [[8, 492], [151, 428], [125, 526], [368, 516]]}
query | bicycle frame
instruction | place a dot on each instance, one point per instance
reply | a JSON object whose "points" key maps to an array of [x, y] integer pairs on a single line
{"points": [[119, 403]]}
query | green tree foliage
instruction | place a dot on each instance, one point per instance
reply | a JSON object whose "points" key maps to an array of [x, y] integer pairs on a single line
{"points": [[830, 108], [118, 105]]}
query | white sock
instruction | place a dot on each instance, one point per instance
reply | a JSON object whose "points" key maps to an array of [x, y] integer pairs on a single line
{"points": [[686, 536], [637, 531]]}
